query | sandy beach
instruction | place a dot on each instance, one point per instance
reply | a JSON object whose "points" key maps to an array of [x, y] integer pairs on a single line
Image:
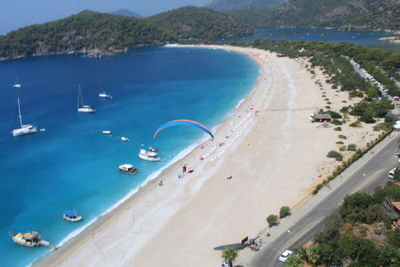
{"points": [[268, 147]]}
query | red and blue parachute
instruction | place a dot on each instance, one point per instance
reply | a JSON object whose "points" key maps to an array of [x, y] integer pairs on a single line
{"points": [[183, 122]]}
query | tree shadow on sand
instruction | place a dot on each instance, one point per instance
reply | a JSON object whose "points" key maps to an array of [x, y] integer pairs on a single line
{"points": [[237, 246]]}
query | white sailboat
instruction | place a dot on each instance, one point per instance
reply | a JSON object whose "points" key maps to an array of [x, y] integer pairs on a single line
{"points": [[24, 128], [81, 107]]}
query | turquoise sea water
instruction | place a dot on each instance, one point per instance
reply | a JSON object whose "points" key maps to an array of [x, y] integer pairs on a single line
{"points": [[72, 165]]}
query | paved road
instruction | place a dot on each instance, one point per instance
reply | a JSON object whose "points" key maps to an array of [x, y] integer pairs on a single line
{"points": [[371, 174]]}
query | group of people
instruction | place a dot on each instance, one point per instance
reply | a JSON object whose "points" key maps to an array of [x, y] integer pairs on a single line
{"points": [[254, 246]]}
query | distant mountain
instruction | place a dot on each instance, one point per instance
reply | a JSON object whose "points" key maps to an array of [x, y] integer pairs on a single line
{"points": [[126, 12], [84, 31], [359, 14], [203, 24], [224, 5]]}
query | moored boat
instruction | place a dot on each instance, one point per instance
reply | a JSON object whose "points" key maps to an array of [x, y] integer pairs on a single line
{"points": [[103, 94], [30, 239], [24, 128], [149, 155], [81, 107], [128, 168], [71, 216]]}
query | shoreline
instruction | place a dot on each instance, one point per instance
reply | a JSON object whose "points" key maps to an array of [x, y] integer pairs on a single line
{"points": [[138, 193], [203, 211]]}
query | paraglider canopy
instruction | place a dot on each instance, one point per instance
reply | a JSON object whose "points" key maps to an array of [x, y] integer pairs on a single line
{"points": [[182, 122]]}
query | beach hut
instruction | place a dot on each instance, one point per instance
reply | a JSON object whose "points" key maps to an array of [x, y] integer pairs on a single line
{"points": [[321, 117]]}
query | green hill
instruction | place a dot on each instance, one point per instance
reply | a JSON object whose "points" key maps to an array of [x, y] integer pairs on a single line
{"points": [[356, 14], [84, 31], [223, 5], [108, 33], [203, 24]]}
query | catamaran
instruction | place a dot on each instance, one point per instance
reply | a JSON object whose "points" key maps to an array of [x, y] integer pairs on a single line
{"points": [[80, 106], [24, 128]]}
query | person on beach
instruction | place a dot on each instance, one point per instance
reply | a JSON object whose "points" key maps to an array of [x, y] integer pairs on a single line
{"points": [[160, 183], [184, 169]]}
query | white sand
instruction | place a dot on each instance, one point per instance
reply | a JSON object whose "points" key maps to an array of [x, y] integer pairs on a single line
{"points": [[275, 157]]}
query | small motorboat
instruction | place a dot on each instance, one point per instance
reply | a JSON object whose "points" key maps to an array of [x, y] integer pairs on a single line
{"points": [[103, 94], [106, 132], [71, 216], [123, 138], [30, 239], [17, 85], [128, 168], [149, 155]]}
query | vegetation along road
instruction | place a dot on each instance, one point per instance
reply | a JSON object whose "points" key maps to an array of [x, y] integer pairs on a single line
{"points": [[364, 175]]}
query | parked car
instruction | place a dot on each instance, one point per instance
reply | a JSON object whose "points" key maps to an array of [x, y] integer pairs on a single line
{"points": [[391, 173], [283, 257]]}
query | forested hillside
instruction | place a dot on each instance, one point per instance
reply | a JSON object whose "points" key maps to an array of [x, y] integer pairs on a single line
{"points": [[86, 30], [202, 24], [359, 14], [108, 33], [223, 5]]}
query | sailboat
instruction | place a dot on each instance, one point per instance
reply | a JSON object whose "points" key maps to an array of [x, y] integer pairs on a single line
{"points": [[24, 128], [80, 106]]}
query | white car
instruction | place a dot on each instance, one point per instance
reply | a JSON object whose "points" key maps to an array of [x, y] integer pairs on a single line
{"points": [[283, 257], [391, 173]]}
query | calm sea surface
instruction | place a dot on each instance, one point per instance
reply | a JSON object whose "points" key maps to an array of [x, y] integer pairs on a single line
{"points": [[72, 165]]}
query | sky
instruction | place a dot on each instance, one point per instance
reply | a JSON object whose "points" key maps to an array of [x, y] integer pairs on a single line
{"points": [[18, 13]]}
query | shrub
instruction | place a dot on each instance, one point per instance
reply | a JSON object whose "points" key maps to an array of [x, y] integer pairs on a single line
{"points": [[336, 122], [355, 124], [284, 211], [345, 109], [272, 220], [342, 148], [336, 155], [351, 147], [317, 188], [337, 128], [294, 260], [334, 114], [342, 136], [339, 143]]}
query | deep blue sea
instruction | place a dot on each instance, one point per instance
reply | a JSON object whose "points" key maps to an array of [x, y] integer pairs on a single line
{"points": [[72, 165]]}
